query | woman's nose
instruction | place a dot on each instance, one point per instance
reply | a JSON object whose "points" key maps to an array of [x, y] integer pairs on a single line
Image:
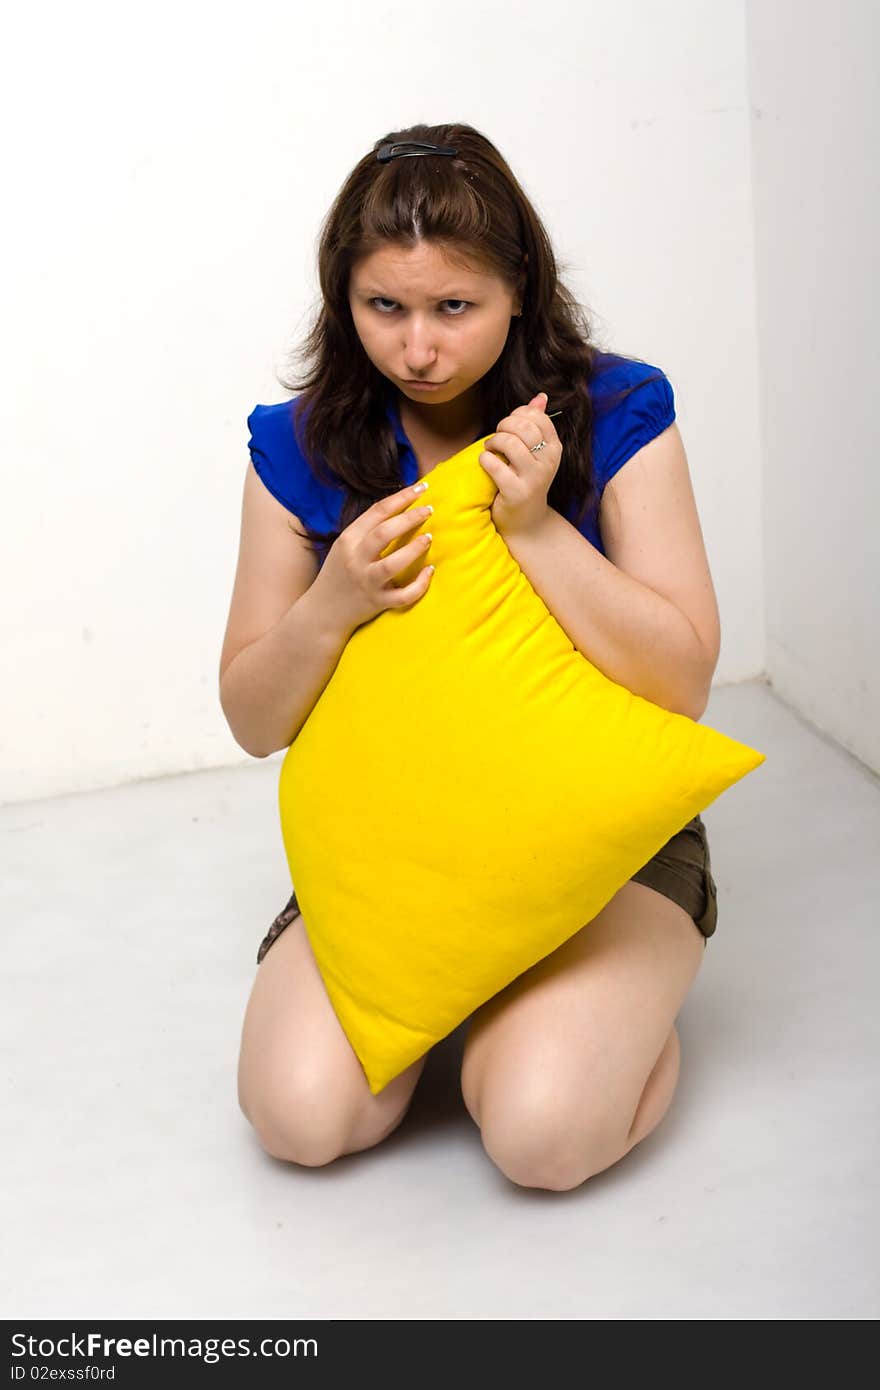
{"points": [[418, 346]]}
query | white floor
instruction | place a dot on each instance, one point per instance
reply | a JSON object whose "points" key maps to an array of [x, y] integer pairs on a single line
{"points": [[133, 1187]]}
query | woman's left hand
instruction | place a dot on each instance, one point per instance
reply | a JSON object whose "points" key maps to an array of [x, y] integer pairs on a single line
{"points": [[523, 479]]}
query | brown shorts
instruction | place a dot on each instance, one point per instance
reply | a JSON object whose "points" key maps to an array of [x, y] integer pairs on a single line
{"points": [[681, 870]]}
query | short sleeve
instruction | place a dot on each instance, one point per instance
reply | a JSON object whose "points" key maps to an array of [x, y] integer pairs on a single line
{"points": [[275, 454], [642, 414]]}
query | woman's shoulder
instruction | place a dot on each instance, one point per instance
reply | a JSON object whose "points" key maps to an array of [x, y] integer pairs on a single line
{"points": [[275, 423], [616, 377], [276, 450], [633, 401]]}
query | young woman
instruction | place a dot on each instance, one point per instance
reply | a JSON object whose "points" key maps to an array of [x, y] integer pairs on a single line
{"points": [[443, 318]]}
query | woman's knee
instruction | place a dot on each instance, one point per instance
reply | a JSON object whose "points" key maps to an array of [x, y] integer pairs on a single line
{"points": [[306, 1120], [300, 1084], [313, 1121]]}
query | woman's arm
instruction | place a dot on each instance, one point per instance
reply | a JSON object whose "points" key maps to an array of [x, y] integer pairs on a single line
{"points": [[282, 644], [646, 616]]}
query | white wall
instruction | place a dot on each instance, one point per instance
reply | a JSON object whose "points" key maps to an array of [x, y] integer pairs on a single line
{"points": [[815, 152], [169, 169]]}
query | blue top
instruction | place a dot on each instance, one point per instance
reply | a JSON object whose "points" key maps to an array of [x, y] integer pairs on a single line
{"points": [[619, 431]]}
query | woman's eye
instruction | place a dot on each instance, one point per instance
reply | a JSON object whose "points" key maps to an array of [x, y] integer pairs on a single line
{"points": [[379, 300]]}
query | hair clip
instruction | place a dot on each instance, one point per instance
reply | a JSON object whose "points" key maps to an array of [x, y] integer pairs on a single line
{"points": [[390, 151]]}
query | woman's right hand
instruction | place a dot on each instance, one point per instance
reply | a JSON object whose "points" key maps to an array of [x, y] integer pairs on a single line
{"points": [[353, 582]]}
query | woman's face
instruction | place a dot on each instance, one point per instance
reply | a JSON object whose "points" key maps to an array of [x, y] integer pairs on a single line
{"points": [[420, 317]]}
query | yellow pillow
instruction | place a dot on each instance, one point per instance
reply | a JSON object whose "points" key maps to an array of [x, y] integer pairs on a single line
{"points": [[469, 790]]}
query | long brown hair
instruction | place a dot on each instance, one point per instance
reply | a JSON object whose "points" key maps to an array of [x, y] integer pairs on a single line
{"points": [[473, 208]]}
